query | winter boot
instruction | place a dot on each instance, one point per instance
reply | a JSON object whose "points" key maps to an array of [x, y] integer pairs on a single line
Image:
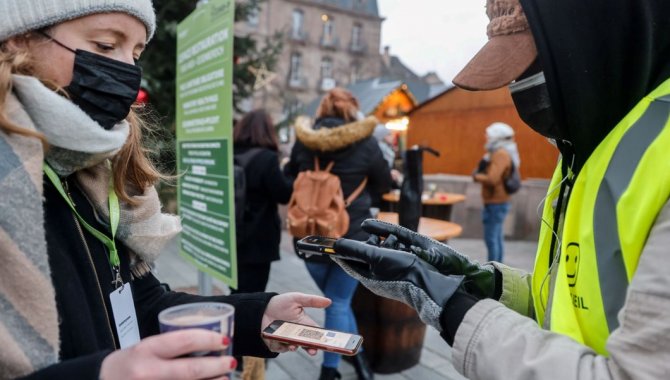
{"points": [[363, 370]]}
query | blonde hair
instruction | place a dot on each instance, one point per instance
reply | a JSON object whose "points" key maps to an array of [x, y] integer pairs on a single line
{"points": [[340, 103], [131, 165]]}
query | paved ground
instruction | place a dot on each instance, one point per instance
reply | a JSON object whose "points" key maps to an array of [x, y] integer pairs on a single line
{"points": [[289, 274]]}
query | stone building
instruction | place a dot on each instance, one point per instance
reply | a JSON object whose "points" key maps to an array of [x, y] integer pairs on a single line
{"points": [[327, 43]]}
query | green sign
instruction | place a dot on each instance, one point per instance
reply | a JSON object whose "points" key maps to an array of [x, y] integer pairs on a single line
{"points": [[204, 139]]}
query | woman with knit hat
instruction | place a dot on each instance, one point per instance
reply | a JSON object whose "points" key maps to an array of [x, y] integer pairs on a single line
{"points": [[79, 217]]}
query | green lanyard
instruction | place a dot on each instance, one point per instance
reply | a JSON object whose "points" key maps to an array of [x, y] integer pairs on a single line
{"points": [[114, 213]]}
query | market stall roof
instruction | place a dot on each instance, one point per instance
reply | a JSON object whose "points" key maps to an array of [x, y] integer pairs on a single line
{"points": [[370, 93]]}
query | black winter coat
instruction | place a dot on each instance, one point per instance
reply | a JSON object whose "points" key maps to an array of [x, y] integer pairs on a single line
{"points": [[360, 158], [83, 283], [266, 187]]}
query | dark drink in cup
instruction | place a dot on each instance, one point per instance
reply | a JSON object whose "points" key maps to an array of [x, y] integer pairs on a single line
{"points": [[213, 316]]}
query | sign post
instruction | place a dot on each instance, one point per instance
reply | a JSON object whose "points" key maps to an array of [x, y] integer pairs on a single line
{"points": [[204, 141]]}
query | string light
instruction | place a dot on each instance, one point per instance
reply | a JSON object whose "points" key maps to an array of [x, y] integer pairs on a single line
{"points": [[401, 124]]}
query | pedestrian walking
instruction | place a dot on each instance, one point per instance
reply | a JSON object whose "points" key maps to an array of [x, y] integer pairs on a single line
{"points": [[338, 139], [259, 233]]}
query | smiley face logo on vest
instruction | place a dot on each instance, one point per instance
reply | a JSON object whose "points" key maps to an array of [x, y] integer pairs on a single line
{"points": [[572, 263]]}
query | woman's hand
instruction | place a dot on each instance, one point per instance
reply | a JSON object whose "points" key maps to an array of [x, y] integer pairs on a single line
{"points": [[290, 307], [159, 357]]}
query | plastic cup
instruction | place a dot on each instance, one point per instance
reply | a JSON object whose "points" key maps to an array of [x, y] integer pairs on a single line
{"points": [[214, 316]]}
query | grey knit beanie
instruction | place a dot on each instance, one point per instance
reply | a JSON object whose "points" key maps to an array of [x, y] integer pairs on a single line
{"points": [[21, 16]]}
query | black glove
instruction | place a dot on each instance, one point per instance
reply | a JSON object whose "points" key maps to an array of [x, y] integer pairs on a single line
{"points": [[400, 276], [480, 280]]}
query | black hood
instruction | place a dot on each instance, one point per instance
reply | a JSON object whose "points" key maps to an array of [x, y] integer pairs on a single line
{"points": [[600, 58]]}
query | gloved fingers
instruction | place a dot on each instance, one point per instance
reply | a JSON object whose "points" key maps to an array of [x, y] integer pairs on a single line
{"points": [[390, 242], [373, 240], [404, 235], [377, 227], [355, 250], [382, 263], [433, 258]]}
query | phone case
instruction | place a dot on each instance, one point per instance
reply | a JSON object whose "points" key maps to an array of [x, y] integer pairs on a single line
{"points": [[311, 245], [338, 350]]}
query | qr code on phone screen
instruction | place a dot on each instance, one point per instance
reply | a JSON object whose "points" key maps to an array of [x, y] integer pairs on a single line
{"points": [[311, 334]]}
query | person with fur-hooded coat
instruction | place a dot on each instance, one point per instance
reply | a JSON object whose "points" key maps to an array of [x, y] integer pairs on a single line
{"points": [[339, 134]]}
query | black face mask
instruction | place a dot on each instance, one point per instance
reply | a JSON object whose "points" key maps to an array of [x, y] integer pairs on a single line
{"points": [[531, 98], [102, 87]]}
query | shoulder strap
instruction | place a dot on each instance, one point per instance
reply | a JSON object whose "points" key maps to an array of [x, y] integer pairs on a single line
{"points": [[352, 197], [512, 168], [317, 165]]}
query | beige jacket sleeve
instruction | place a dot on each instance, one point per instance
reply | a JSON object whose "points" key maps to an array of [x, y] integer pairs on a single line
{"points": [[495, 342]]}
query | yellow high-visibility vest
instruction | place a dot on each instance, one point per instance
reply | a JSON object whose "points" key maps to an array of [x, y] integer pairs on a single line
{"points": [[613, 204]]}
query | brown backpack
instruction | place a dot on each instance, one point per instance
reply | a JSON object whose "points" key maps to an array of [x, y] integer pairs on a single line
{"points": [[317, 206]]}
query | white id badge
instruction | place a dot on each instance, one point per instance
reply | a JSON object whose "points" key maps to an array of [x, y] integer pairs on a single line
{"points": [[125, 317]]}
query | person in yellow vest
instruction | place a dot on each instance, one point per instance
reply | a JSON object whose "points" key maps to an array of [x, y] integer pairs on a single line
{"points": [[593, 77]]}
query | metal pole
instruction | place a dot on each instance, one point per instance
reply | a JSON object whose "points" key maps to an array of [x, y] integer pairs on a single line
{"points": [[204, 284]]}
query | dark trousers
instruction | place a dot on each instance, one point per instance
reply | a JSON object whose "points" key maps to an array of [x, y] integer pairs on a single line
{"points": [[252, 278]]}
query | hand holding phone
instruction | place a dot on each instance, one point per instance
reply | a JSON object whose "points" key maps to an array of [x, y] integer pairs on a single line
{"points": [[313, 337]]}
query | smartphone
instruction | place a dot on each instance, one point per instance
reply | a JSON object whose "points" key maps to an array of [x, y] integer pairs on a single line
{"points": [[313, 337], [318, 245]]}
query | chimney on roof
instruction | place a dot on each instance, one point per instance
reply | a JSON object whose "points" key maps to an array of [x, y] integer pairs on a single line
{"points": [[386, 57], [432, 78]]}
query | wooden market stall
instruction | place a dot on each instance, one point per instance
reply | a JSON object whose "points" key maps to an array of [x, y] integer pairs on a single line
{"points": [[454, 123]]}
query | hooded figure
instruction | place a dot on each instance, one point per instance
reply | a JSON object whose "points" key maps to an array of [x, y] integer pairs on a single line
{"points": [[595, 78]]}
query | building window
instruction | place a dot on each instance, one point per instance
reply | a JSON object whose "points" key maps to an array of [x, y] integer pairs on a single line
{"points": [[296, 67], [356, 37], [252, 17], [292, 106], [326, 68], [328, 27], [327, 80], [297, 26]]}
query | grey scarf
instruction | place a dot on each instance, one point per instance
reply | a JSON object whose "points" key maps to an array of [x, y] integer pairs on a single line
{"points": [[508, 145], [28, 316]]}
